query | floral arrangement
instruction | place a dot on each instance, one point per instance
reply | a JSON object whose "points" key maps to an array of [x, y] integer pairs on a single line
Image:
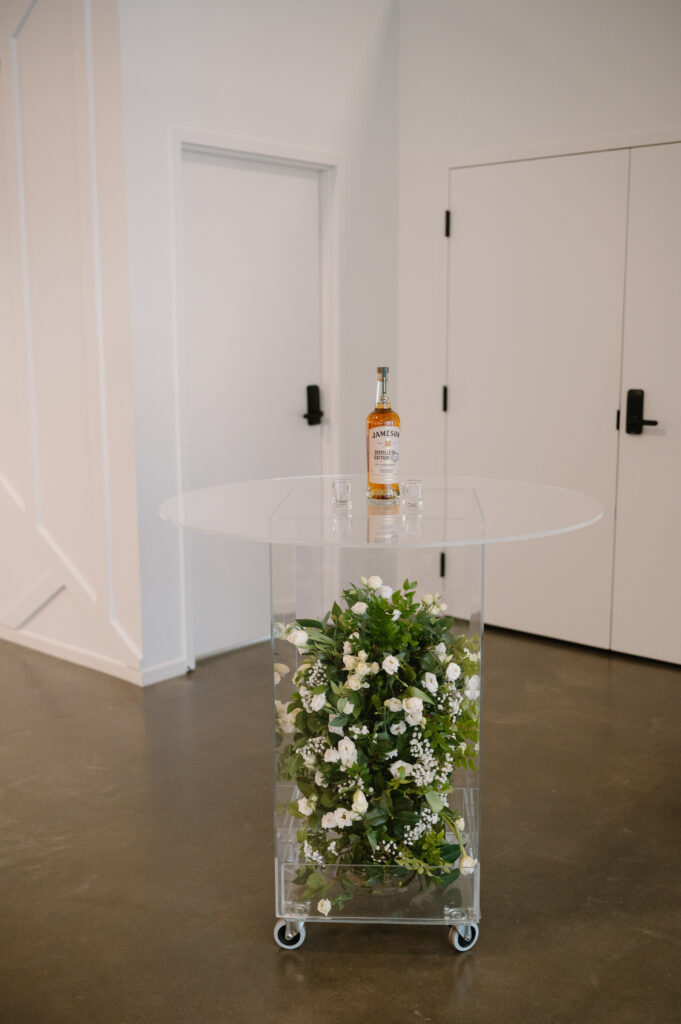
{"points": [[385, 707]]}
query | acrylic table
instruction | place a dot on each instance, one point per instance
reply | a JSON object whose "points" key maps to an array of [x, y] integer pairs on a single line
{"points": [[415, 823]]}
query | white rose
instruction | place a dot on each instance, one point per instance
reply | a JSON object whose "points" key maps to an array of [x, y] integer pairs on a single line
{"points": [[442, 606], [460, 824], [441, 651], [286, 719], [330, 756], [430, 682], [347, 751], [347, 708], [467, 864], [393, 704], [472, 688], [472, 655], [353, 682], [318, 701], [305, 807], [362, 655], [344, 817], [426, 599], [324, 906], [347, 647], [279, 672], [363, 580], [329, 820], [297, 637], [359, 608], [400, 769], [359, 802], [390, 664], [398, 728], [453, 672], [375, 582], [349, 660], [413, 708], [375, 668], [362, 669], [319, 779], [385, 591], [396, 614]]}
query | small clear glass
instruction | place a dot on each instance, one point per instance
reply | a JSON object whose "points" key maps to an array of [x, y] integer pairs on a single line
{"points": [[412, 495], [342, 494]]}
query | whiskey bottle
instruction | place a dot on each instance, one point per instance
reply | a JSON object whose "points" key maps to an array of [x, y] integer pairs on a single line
{"points": [[383, 445]]}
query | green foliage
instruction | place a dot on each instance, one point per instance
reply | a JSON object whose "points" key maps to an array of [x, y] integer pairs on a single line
{"points": [[384, 710]]}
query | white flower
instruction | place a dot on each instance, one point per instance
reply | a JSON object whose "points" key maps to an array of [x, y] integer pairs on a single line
{"points": [[324, 906], [329, 820], [385, 591], [362, 655], [393, 704], [472, 655], [305, 807], [398, 728], [297, 637], [318, 701], [391, 753], [413, 708], [430, 682], [441, 651], [400, 769], [375, 668], [286, 720], [363, 580], [347, 647], [390, 664], [344, 817], [396, 614], [330, 756], [279, 672], [346, 708], [359, 802], [353, 682], [362, 669], [319, 778], [375, 582], [453, 672], [472, 689], [349, 660], [347, 751], [442, 606], [426, 598], [354, 636], [359, 608], [460, 824], [467, 864]]}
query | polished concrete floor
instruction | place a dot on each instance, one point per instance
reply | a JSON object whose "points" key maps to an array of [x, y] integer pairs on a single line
{"points": [[136, 856]]}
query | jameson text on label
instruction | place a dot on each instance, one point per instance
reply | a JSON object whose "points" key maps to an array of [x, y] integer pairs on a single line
{"points": [[384, 455]]}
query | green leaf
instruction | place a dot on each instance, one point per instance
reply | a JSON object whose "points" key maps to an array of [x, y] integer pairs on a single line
{"points": [[413, 691], [316, 880], [310, 623], [373, 839], [435, 801]]}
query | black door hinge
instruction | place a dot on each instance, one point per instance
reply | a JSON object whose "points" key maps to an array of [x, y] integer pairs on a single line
{"points": [[448, 219], [444, 398], [617, 424], [442, 563]]}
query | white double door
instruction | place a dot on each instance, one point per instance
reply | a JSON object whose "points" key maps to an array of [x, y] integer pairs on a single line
{"points": [[250, 280], [564, 295]]}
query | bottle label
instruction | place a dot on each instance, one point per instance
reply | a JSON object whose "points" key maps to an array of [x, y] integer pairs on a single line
{"points": [[384, 455]]}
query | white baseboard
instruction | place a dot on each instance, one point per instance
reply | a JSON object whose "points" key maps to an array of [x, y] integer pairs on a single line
{"points": [[73, 654], [165, 670]]}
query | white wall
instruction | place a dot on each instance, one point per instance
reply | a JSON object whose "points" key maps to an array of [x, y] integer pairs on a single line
{"points": [[68, 529], [314, 75], [482, 78]]}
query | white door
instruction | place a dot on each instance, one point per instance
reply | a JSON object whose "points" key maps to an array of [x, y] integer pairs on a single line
{"points": [[647, 581], [251, 313], [536, 275]]}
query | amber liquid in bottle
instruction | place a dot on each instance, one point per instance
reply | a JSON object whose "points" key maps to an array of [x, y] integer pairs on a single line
{"points": [[383, 445]]}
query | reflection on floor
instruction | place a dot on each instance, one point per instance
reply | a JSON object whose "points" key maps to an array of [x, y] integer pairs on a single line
{"points": [[136, 853]]}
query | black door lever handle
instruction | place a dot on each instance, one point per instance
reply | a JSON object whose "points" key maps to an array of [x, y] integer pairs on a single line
{"points": [[314, 413], [635, 421]]}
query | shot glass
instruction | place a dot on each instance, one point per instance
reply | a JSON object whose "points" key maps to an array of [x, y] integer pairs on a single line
{"points": [[412, 495], [342, 494]]}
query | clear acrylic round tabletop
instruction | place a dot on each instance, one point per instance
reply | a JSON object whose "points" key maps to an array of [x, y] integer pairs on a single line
{"points": [[455, 511]]}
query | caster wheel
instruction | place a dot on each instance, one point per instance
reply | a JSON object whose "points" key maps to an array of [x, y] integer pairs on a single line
{"points": [[296, 940], [464, 937]]}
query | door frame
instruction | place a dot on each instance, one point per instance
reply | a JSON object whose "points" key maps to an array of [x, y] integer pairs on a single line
{"points": [[331, 179]]}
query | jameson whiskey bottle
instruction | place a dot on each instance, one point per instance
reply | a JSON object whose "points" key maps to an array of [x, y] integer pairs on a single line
{"points": [[383, 444]]}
